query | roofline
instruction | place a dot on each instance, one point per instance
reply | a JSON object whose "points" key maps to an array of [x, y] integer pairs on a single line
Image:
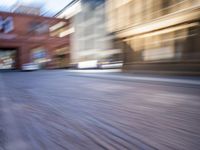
{"points": [[30, 15], [68, 5]]}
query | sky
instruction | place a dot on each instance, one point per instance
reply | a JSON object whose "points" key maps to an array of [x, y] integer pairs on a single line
{"points": [[48, 7]]}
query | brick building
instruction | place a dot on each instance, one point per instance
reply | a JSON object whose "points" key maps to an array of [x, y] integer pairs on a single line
{"points": [[30, 38]]}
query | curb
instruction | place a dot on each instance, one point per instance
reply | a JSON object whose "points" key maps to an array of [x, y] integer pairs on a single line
{"points": [[139, 79]]}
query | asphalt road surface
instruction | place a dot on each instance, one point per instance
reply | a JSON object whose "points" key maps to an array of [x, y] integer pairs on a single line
{"points": [[56, 110]]}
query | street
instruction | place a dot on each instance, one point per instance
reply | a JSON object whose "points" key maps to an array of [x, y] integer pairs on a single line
{"points": [[58, 110]]}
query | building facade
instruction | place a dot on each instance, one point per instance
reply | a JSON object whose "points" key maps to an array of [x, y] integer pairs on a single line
{"points": [[90, 39], [30, 38], [157, 35]]}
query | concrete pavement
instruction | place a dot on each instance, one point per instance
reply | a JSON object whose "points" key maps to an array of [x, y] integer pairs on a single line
{"points": [[59, 110]]}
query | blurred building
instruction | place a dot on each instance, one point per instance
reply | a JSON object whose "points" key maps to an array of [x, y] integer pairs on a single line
{"points": [[30, 38], [159, 35], [90, 39]]}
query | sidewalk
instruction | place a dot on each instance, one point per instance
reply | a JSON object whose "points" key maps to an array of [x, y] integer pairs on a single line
{"points": [[117, 75]]}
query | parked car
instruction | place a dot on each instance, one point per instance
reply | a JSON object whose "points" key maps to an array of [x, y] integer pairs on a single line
{"points": [[30, 67]]}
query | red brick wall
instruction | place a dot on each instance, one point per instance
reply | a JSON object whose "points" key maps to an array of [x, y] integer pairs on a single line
{"points": [[24, 40]]}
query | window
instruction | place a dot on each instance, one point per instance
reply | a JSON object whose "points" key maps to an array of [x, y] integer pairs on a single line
{"points": [[8, 25], [38, 27]]}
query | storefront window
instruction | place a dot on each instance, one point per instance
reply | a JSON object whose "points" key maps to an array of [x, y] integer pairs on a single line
{"points": [[61, 57], [39, 56], [7, 59]]}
